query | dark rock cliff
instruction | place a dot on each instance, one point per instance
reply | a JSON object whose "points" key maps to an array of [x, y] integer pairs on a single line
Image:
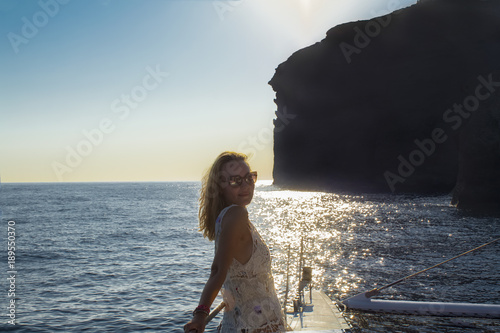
{"points": [[407, 102]]}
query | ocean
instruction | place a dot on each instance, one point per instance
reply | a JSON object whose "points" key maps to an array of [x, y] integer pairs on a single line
{"points": [[127, 257]]}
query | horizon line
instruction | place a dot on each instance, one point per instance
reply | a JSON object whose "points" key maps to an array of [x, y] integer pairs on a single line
{"points": [[117, 181]]}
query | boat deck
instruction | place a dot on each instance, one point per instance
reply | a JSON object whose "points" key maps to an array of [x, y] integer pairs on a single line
{"points": [[319, 316]]}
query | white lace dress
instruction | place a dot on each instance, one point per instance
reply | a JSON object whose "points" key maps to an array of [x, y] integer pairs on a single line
{"points": [[251, 302]]}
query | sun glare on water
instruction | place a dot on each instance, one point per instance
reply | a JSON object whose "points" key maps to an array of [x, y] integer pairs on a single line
{"points": [[311, 223]]}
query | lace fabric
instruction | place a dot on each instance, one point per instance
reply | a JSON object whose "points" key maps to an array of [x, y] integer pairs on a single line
{"points": [[251, 302]]}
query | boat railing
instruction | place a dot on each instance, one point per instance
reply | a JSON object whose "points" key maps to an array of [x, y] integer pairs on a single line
{"points": [[305, 280]]}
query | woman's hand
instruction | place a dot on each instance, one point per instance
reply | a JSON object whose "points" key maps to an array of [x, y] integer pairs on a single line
{"points": [[197, 324]]}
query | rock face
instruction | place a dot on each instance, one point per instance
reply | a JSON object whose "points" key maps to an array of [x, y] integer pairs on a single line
{"points": [[407, 102]]}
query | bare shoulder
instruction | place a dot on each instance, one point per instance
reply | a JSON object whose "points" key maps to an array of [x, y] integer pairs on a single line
{"points": [[237, 211], [236, 217]]}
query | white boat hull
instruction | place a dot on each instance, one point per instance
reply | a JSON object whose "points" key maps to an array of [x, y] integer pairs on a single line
{"points": [[361, 302]]}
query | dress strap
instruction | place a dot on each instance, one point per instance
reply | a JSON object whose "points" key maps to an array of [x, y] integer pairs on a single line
{"points": [[218, 224], [222, 213]]}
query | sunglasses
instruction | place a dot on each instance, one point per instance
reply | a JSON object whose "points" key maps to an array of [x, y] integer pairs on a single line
{"points": [[250, 179]]}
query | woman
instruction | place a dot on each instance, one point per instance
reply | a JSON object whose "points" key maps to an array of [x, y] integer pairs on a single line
{"points": [[242, 263]]}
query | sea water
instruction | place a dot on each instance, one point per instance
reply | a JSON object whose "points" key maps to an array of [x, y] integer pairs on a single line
{"points": [[127, 257]]}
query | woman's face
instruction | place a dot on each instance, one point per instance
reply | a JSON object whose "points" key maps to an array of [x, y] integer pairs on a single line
{"points": [[240, 195]]}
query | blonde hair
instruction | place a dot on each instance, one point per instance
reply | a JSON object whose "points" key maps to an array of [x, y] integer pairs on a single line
{"points": [[211, 199]]}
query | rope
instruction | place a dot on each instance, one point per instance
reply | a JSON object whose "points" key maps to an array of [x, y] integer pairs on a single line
{"points": [[376, 291], [215, 312]]}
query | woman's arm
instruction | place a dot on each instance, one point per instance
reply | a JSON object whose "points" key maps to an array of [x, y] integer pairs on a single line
{"points": [[234, 241]]}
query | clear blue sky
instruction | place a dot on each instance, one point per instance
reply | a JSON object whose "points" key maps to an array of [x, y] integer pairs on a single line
{"points": [[148, 90]]}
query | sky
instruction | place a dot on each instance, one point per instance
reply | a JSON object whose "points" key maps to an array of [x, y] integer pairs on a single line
{"points": [[148, 90]]}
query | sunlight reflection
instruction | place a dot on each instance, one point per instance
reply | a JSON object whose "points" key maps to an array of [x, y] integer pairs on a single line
{"points": [[354, 243], [320, 222]]}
